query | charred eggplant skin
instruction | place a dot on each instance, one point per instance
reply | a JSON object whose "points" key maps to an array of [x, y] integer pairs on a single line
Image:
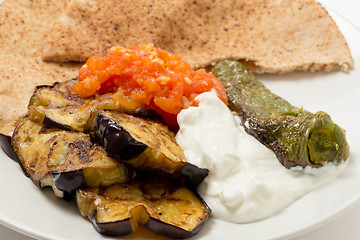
{"points": [[170, 231], [64, 160], [5, 143], [57, 106], [69, 181], [164, 207], [53, 123], [115, 228], [123, 228], [115, 139], [119, 143], [194, 173]]}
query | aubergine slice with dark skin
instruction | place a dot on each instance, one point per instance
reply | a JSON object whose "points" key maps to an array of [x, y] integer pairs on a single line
{"points": [[156, 203], [64, 160], [57, 106], [5, 143], [143, 143]]}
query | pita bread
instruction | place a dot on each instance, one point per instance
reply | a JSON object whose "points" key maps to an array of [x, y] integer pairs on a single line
{"points": [[273, 36], [22, 28]]}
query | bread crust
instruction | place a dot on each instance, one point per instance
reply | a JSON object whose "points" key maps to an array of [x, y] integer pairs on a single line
{"points": [[271, 36]]}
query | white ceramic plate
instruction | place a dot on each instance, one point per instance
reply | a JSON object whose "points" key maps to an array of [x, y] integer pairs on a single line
{"points": [[39, 214]]}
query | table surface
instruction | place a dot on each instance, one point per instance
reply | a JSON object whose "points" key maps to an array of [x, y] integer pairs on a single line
{"points": [[347, 225]]}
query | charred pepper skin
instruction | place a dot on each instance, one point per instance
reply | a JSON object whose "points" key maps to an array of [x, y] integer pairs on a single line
{"points": [[297, 137]]}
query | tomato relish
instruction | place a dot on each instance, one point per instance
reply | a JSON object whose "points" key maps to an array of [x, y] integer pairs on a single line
{"points": [[147, 77]]}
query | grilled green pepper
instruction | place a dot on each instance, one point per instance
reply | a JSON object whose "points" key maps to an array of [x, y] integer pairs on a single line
{"points": [[297, 137]]}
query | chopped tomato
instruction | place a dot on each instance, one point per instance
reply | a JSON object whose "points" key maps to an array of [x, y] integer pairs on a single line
{"points": [[149, 77]]}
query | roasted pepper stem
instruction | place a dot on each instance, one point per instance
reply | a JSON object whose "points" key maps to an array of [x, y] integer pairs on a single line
{"points": [[297, 137]]}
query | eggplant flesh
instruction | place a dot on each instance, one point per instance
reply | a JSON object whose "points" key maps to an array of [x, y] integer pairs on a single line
{"points": [[57, 106], [64, 160], [147, 144], [157, 204], [297, 137]]}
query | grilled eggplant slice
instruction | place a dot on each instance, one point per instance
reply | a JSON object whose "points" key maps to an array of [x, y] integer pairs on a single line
{"points": [[64, 160], [57, 106], [159, 205], [5, 143], [298, 137], [143, 143]]}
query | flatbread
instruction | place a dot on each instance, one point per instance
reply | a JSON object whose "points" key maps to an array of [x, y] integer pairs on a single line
{"points": [[22, 28], [273, 36]]}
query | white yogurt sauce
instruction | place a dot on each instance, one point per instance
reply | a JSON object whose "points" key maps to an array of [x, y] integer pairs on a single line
{"points": [[246, 181]]}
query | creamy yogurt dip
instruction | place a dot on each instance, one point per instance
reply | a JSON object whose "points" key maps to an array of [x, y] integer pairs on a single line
{"points": [[246, 181]]}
